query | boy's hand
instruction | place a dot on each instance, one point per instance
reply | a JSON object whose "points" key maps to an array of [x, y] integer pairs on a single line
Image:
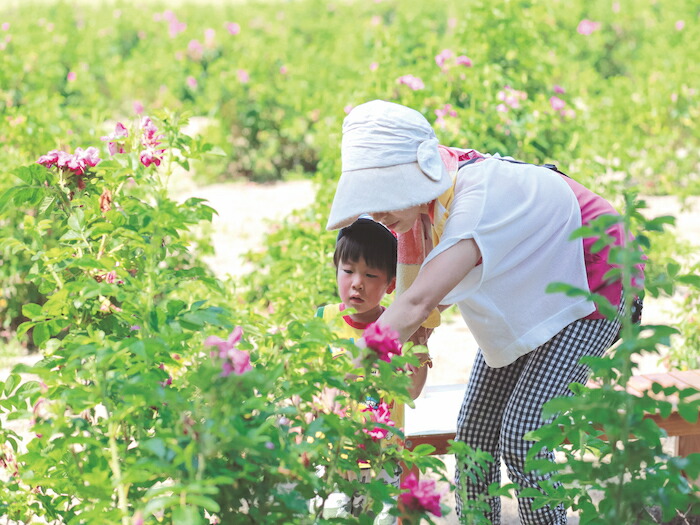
{"points": [[419, 374], [421, 336]]}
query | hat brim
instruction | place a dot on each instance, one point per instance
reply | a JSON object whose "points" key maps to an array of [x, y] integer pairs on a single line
{"points": [[375, 190]]}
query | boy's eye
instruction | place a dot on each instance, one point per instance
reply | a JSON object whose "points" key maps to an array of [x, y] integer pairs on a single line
{"points": [[347, 271], [371, 275]]}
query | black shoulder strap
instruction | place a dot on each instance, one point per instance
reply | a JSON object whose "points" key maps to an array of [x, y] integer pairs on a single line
{"points": [[552, 167]]}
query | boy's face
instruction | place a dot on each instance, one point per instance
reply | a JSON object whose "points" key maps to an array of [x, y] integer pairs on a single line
{"points": [[362, 287]]}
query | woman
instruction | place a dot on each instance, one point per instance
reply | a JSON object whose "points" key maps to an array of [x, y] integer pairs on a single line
{"points": [[488, 234]]}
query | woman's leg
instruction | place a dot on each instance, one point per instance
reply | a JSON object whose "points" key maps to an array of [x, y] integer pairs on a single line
{"points": [[546, 374], [479, 426]]}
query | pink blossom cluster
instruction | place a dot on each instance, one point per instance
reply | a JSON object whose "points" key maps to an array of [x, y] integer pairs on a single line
{"points": [[382, 340], [8, 461], [441, 113], [8, 38], [234, 361], [510, 98], [586, 27], [115, 141], [444, 60], [232, 27], [559, 105], [379, 414], [422, 495], [78, 162], [150, 142], [175, 27], [412, 82], [195, 50], [243, 76], [209, 37]]}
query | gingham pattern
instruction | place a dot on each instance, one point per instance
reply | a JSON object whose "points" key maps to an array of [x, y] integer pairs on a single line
{"points": [[503, 404]]}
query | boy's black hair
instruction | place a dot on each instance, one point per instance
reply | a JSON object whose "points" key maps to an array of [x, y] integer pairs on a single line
{"points": [[370, 240]]}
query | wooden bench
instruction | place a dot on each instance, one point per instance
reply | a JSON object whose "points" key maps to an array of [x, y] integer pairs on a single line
{"points": [[434, 419]]}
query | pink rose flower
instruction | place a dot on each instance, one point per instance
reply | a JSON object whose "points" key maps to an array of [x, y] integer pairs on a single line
{"points": [[192, 82], [113, 146], [422, 496], [383, 340], [374, 66], [238, 363], [557, 103], [233, 28], [511, 97], [680, 24], [243, 76], [89, 157], [442, 57], [49, 159], [209, 37], [463, 60], [148, 157], [587, 27], [412, 82], [71, 76], [558, 89], [195, 50], [380, 414], [235, 361], [175, 27], [138, 107]]}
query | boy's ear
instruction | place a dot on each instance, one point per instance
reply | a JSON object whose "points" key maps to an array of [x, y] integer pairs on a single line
{"points": [[392, 286]]}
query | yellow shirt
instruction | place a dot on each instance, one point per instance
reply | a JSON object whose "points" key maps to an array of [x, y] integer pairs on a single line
{"points": [[345, 328]]}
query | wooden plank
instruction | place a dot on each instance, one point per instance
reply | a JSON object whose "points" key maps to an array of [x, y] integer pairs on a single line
{"points": [[637, 385], [662, 378], [687, 445], [439, 441], [675, 425], [686, 379]]}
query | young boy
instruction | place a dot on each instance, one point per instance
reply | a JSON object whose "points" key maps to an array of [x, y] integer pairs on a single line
{"points": [[365, 260]]}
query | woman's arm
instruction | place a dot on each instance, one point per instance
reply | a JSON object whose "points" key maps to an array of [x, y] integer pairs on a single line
{"points": [[433, 282]]}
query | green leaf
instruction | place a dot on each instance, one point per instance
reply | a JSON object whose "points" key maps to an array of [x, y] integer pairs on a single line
{"points": [[24, 327], [203, 502], [41, 334], [11, 383], [7, 197], [32, 311], [74, 223], [101, 228], [691, 280], [46, 203], [28, 390], [688, 411], [424, 449], [187, 516]]}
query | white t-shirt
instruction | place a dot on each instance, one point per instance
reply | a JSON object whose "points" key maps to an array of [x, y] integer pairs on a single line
{"points": [[521, 216]]}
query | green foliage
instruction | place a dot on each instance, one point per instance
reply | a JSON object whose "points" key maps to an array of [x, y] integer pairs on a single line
{"points": [[613, 447]]}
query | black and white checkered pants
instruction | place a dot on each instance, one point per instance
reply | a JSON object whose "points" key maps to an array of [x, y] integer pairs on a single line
{"points": [[501, 405]]}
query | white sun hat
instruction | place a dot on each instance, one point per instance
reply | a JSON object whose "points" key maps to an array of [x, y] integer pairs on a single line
{"points": [[390, 162]]}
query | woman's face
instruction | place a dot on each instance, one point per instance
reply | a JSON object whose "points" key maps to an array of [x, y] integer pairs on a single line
{"points": [[400, 221]]}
